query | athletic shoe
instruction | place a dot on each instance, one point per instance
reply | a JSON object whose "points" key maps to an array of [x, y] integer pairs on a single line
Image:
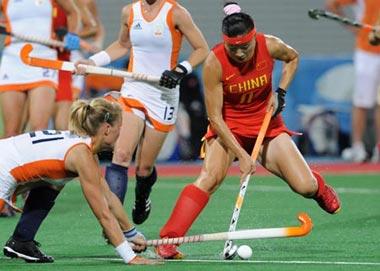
{"points": [[376, 154], [329, 200], [169, 252], [356, 153], [28, 251], [141, 210]]}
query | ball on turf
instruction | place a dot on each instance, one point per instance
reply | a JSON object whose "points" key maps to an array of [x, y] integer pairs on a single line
{"points": [[244, 252]]}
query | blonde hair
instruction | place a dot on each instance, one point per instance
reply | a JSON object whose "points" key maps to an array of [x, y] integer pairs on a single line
{"points": [[87, 116]]}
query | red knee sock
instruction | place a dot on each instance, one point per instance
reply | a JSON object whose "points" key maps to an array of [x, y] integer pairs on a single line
{"points": [[189, 205], [321, 184]]}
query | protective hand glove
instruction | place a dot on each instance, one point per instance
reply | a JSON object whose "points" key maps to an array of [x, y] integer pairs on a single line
{"points": [[71, 41], [137, 239], [279, 103], [374, 37], [170, 79]]}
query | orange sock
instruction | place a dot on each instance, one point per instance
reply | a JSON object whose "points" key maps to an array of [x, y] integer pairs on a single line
{"points": [[321, 184], [189, 205]]}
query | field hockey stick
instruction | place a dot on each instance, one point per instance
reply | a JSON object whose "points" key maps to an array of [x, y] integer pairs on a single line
{"points": [[295, 231], [229, 250], [317, 13], [69, 66], [48, 42]]}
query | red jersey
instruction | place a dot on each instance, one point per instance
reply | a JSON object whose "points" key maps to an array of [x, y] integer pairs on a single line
{"points": [[246, 91]]}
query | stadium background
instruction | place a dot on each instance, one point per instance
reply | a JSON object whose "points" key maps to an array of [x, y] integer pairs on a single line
{"points": [[326, 53], [346, 241]]}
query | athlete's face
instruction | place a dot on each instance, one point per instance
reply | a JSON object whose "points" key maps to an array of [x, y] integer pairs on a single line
{"points": [[241, 53]]}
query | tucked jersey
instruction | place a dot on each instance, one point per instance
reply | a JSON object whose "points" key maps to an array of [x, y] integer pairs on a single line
{"points": [[246, 91], [30, 17], [40, 155]]}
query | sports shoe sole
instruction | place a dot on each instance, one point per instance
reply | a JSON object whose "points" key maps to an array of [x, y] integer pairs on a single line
{"points": [[9, 252]]}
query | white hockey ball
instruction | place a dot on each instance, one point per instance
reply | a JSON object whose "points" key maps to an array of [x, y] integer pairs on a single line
{"points": [[244, 252]]}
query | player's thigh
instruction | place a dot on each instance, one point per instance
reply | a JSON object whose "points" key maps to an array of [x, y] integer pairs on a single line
{"points": [[131, 131], [215, 165], [12, 106], [148, 150], [282, 157], [41, 106]]}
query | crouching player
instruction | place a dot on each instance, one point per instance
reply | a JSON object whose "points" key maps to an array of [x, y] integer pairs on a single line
{"points": [[237, 82], [43, 161]]}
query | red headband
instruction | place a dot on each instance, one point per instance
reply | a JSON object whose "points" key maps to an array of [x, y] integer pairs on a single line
{"points": [[240, 39]]}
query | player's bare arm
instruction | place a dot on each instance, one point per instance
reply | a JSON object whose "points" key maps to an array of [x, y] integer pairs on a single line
{"points": [[81, 160], [100, 31], [121, 46], [183, 21], [72, 13], [283, 52], [212, 74], [89, 24]]}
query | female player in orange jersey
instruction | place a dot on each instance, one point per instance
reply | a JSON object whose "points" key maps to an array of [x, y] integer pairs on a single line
{"points": [[43, 161], [151, 31], [237, 78]]}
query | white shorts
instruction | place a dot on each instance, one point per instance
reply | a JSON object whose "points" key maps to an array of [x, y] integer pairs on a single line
{"points": [[367, 79], [8, 157], [15, 75], [157, 105]]}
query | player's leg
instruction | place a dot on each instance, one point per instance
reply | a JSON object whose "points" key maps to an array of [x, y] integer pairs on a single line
{"points": [[41, 107], [146, 174], [281, 157], [63, 100], [131, 131], [366, 85], [12, 104], [37, 206], [194, 197]]}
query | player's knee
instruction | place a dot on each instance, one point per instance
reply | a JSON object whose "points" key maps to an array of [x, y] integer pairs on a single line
{"points": [[144, 170], [122, 156], [208, 182], [308, 188]]}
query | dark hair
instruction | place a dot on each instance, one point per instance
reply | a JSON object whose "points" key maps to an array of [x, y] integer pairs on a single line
{"points": [[237, 24]]}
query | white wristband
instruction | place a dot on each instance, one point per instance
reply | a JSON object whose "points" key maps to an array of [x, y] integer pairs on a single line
{"points": [[125, 251], [101, 58], [187, 65]]}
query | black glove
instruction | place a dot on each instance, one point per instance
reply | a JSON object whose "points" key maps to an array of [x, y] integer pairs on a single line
{"points": [[170, 79], [280, 101]]}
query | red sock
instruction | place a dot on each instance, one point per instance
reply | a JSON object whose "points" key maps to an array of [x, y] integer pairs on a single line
{"points": [[321, 184], [189, 205]]}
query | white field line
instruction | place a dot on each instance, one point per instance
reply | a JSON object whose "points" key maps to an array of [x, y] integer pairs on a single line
{"points": [[280, 189], [255, 262]]}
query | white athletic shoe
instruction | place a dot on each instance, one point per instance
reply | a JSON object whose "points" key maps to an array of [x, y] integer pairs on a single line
{"points": [[376, 154], [356, 153]]}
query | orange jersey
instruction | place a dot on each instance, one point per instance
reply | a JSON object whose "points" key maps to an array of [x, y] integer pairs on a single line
{"points": [[367, 13], [246, 92], [39, 155]]}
